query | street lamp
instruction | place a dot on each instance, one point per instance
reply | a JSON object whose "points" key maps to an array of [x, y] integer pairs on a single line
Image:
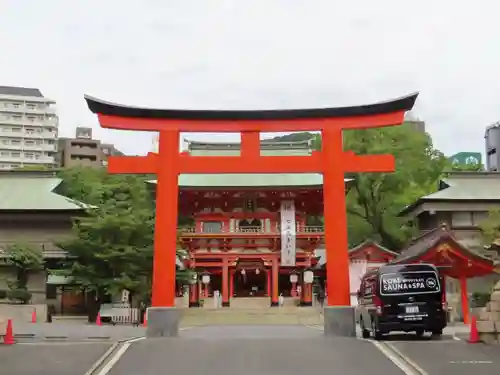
{"points": [[308, 276], [205, 278]]}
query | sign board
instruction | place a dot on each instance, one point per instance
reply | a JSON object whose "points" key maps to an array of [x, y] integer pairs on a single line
{"points": [[466, 158], [288, 233], [409, 283]]}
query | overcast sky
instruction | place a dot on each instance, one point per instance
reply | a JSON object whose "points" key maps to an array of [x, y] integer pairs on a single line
{"points": [[256, 54]]}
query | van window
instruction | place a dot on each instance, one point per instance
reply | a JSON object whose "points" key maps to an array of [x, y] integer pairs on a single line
{"points": [[409, 283]]}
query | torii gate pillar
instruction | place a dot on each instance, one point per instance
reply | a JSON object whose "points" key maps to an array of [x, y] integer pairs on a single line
{"points": [[332, 161]]}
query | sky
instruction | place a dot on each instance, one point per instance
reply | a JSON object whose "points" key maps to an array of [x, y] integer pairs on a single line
{"points": [[258, 54]]}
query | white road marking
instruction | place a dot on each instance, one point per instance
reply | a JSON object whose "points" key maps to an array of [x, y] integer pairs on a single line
{"points": [[101, 359], [407, 359], [394, 359], [114, 359]]}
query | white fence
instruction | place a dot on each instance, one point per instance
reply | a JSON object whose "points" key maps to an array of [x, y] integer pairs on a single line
{"points": [[120, 313]]}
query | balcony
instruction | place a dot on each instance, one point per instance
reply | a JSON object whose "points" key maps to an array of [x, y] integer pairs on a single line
{"points": [[252, 231]]}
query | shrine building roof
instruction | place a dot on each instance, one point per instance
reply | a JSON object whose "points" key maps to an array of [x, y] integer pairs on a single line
{"points": [[462, 187], [34, 191], [268, 148], [441, 248]]}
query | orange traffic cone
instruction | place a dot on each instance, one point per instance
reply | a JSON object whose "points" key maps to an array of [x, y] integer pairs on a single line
{"points": [[98, 319], [474, 334], [33, 316], [145, 319], [8, 339]]}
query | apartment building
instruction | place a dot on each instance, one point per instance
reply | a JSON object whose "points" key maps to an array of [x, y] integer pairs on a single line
{"points": [[28, 128], [492, 145], [83, 150]]}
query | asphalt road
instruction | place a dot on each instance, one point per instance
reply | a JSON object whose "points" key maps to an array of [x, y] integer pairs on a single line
{"points": [[50, 359], [451, 357], [237, 350]]}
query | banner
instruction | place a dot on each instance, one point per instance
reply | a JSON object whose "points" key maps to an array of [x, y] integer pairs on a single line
{"points": [[288, 232]]}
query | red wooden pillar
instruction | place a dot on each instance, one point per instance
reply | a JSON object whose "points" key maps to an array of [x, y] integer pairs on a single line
{"points": [[165, 236], [268, 287], [306, 299], [231, 284], [336, 242], [194, 300], [465, 299], [275, 283], [225, 283]]}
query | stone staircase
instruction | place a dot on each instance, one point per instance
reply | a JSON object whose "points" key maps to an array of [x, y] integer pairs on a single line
{"points": [[255, 314]]}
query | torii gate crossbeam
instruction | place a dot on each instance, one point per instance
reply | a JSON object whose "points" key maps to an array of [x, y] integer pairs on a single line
{"points": [[332, 162]]}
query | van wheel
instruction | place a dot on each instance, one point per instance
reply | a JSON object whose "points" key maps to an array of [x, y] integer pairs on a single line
{"points": [[376, 332], [364, 332], [437, 332]]}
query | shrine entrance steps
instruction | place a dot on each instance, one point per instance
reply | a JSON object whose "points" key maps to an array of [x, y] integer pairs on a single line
{"points": [[308, 316]]}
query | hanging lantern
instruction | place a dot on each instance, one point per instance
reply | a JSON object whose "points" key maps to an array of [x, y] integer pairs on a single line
{"points": [[243, 272], [308, 276], [257, 271], [294, 278]]}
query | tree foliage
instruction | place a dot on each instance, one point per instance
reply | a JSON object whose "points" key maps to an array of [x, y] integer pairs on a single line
{"points": [[112, 244], [24, 259], [490, 228], [375, 199]]}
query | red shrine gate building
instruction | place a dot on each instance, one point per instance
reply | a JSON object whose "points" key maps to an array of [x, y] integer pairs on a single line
{"points": [[242, 224]]}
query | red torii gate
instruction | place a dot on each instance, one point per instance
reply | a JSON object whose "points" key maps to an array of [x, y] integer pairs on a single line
{"points": [[332, 161]]}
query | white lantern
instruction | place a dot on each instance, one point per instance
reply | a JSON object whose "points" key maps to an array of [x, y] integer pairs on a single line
{"points": [[308, 276], [294, 278], [205, 279], [243, 272], [257, 271]]}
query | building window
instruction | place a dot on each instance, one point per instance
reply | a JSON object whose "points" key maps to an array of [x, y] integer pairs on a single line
{"points": [[16, 105], [16, 130], [31, 106], [4, 153], [16, 154], [29, 155], [478, 217], [15, 142], [29, 142], [212, 227], [461, 219]]}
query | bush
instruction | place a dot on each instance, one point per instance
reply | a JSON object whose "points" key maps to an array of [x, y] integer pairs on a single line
{"points": [[480, 299], [3, 294], [19, 295]]}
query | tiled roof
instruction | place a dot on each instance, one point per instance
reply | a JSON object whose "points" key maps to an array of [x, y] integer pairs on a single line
{"points": [[429, 240], [33, 193], [463, 186], [20, 91], [371, 243]]}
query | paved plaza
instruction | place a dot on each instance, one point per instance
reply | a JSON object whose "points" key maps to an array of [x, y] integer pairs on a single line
{"points": [[263, 350]]}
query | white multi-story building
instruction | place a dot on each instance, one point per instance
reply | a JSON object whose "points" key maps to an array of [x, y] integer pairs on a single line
{"points": [[28, 128]]}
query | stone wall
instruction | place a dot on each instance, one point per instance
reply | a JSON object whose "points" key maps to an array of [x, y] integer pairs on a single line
{"points": [[488, 320], [21, 313]]}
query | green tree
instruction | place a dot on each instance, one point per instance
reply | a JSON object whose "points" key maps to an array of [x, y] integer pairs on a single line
{"points": [[490, 228], [112, 246], [375, 199], [24, 259]]}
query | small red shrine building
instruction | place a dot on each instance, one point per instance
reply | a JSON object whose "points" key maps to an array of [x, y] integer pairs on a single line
{"points": [[454, 260], [237, 230]]}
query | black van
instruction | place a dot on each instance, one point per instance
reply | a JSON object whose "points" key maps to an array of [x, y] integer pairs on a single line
{"points": [[409, 298]]}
